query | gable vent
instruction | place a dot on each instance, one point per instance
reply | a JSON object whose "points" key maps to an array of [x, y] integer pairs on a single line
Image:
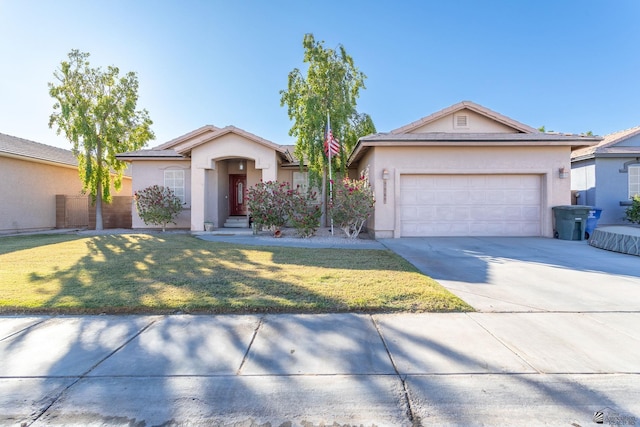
{"points": [[461, 121]]}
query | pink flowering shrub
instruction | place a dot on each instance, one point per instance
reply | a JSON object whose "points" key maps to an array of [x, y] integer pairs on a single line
{"points": [[352, 205], [157, 205], [305, 213], [273, 205], [268, 204]]}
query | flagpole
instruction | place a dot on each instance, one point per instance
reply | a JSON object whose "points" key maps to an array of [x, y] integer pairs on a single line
{"points": [[330, 174]]}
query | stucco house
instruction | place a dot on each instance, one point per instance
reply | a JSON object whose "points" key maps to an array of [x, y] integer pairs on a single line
{"points": [[607, 175], [462, 171], [31, 176], [210, 170]]}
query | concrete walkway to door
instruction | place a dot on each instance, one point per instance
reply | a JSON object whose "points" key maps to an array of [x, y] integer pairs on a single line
{"points": [[513, 274]]}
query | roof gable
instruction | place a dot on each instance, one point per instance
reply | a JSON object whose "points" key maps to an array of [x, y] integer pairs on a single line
{"points": [[480, 119], [187, 146], [181, 147], [201, 133]]}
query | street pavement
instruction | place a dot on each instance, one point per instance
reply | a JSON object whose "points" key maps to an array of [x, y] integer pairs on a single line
{"points": [[555, 340]]}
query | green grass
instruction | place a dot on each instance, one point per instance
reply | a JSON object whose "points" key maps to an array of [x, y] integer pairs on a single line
{"points": [[165, 273]]}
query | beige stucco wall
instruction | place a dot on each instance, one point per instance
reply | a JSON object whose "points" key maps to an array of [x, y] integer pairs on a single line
{"points": [[212, 163], [544, 161], [28, 192], [477, 123], [146, 173]]}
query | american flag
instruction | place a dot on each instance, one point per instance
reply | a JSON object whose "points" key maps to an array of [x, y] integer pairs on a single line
{"points": [[331, 145]]}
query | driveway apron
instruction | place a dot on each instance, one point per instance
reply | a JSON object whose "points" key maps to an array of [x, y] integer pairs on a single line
{"points": [[512, 274]]}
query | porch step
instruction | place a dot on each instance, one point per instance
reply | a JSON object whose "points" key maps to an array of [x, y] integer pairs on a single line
{"points": [[237, 222]]}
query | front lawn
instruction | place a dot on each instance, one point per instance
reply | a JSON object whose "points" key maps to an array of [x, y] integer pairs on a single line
{"points": [[165, 273]]}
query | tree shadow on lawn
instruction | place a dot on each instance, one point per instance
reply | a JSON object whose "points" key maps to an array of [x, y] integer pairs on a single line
{"points": [[160, 274], [10, 244]]}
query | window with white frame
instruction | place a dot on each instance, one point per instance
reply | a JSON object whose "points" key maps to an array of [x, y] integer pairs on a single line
{"points": [[301, 180], [174, 179], [634, 180]]}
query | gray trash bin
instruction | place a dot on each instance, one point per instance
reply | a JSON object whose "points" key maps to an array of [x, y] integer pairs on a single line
{"points": [[570, 221]]}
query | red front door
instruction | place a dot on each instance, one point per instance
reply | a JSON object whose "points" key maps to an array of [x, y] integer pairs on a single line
{"points": [[237, 196]]}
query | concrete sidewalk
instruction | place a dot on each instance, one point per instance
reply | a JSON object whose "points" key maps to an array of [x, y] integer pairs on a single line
{"points": [[535, 368]]}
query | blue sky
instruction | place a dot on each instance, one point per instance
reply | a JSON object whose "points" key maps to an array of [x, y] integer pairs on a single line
{"points": [[572, 66]]}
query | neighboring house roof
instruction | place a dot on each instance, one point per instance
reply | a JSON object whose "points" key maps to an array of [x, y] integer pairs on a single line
{"points": [[23, 149], [19, 148], [608, 146], [522, 135], [470, 106]]}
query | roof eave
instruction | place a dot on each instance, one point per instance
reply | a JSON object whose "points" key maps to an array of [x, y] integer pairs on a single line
{"points": [[39, 160], [618, 154]]}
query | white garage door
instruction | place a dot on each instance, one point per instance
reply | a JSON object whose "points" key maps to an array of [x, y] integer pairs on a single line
{"points": [[470, 205]]}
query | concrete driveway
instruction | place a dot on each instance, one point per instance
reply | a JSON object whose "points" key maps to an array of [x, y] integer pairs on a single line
{"points": [[511, 274]]}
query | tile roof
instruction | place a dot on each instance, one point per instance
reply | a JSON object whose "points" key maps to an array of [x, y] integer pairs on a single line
{"points": [[484, 136], [441, 139], [470, 106], [206, 129], [181, 147], [13, 146], [607, 143], [151, 153]]}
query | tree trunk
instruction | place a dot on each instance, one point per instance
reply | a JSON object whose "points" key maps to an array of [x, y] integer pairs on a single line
{"points": [[99, 225], [99, 206]]}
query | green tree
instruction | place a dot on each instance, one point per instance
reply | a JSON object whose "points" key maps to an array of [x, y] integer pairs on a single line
{"points": [[359, 125], [331, 86], [95, 109]]}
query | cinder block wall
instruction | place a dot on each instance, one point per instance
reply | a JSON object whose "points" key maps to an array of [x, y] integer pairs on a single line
{"points": [[116, 214]]}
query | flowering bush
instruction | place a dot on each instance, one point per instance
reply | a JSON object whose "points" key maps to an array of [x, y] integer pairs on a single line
{"points": [[273, 205], [305, 213], [157, 205], [352, 205], [269, 204]]}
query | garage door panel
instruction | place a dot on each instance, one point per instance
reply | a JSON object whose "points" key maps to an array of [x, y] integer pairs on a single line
{"points": [[495, 197], [452, 213], [426, 197], [470, 205], [427, 213], [531, 197], [409, 213], [457, 196], [531, 213]]}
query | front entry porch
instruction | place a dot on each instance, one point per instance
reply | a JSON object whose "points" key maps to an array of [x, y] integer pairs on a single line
{"points": [[237, 222]]}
